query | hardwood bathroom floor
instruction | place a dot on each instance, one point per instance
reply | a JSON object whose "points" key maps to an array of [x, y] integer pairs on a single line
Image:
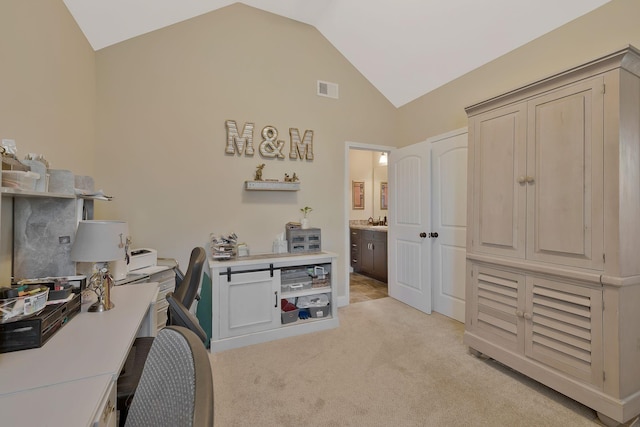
{"points": [[363, 288]]}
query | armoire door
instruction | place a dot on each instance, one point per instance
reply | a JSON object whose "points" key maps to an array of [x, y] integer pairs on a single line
{"points": [[565, 176], [564, 327], [498, 141], [495, 304]]}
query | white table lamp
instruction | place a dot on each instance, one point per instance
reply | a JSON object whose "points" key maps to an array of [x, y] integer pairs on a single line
{"points": [[100, 242]]}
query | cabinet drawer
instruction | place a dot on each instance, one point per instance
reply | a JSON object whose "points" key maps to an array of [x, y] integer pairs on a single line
{"points": [[162, 295], [161, 319], [107, 415], [163, 276]]}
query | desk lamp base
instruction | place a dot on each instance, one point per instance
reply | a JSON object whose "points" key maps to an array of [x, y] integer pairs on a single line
{"points": [[100, 306]]}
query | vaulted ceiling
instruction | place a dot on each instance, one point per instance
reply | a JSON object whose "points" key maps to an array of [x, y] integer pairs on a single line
{"points": [[405, 48]]}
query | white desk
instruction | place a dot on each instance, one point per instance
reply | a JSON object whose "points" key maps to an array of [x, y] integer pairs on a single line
{"points": [[77, 365], [74, 403]]}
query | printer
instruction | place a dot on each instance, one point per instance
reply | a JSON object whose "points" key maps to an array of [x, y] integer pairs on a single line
{"points": [[143, 258]]}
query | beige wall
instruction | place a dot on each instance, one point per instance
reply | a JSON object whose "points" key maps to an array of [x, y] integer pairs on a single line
{"points": [[146, 116], [47, 84], [606, 29], [163, 99], [47, 94]]}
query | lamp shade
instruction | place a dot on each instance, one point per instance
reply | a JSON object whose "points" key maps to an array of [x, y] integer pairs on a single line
{"points": [[383, 158], [100, 241]]}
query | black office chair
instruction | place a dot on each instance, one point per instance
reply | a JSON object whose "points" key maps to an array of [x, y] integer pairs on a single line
{"points": [[182, 317], [185, 292], [176, 386]]}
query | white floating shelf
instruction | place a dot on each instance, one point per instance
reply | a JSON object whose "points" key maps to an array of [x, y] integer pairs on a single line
{"points": [[271, 186]]}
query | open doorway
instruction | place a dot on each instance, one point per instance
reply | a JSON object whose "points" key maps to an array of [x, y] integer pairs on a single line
{"points": [[367, 208]]}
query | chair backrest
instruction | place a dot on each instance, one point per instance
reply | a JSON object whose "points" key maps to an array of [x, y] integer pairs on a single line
{"points": [[187, 290], [176, 387], [180, 316]]}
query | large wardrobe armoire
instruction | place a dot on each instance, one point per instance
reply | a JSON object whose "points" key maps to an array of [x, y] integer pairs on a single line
{"points": [[553, 239]]}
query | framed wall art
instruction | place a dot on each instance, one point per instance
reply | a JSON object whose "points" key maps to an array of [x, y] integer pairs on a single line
{"points": [[384, 195], [357, 193]]}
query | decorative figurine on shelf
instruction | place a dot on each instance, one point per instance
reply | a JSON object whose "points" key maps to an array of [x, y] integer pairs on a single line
{"points": [[258, 176], [288, 178]]}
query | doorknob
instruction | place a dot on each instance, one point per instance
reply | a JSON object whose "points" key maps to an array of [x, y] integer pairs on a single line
{"points": [[434, 235], [423, 234]]}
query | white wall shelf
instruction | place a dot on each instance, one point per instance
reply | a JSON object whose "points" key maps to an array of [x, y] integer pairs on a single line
{"points": [[16, 192], [271, 186]]}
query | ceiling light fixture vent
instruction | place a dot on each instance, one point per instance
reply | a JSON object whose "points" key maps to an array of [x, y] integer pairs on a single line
{"points": [[330, 90]]}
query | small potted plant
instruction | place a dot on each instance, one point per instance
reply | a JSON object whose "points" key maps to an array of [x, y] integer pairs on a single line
{"points": [[305, 220]]}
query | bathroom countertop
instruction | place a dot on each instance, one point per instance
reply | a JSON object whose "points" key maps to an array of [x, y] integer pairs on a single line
{"points": [[369, 227]]}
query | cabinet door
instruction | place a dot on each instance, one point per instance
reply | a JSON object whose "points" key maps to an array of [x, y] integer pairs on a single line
{"points": [[497, 145], [380, 256], [366, 252], [249, 302], [497, 301], [565, 176], [564, 327]]}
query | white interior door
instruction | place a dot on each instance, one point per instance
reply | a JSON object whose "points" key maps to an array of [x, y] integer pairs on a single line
{"points": [[409, 250], [449, 222]]}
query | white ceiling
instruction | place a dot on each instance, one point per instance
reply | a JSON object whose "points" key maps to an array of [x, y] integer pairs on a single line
{"points": [[405, 48]]}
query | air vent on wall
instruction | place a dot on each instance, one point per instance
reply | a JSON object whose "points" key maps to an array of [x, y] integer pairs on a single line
{"points": [[327, 89]]}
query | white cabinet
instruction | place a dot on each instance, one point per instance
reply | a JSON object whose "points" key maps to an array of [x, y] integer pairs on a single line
{"points": [[248, 292], [249, 302], [538, 177], [553, 278]]}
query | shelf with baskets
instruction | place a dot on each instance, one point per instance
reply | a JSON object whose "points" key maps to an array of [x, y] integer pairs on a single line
{"points": [[306, 292], [263, 298]]}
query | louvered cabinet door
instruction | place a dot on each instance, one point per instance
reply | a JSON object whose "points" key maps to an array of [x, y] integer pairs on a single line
{"points": [[498, 298], [564, 328]]}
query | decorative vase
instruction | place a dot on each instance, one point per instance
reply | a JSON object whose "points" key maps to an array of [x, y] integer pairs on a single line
{"points": [[305, 223]]}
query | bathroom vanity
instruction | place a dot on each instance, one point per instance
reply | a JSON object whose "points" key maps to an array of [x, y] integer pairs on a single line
{"points": [[369, 251]]}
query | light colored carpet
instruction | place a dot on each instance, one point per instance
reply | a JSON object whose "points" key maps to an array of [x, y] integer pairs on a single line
{"points": [[386, 365]]}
